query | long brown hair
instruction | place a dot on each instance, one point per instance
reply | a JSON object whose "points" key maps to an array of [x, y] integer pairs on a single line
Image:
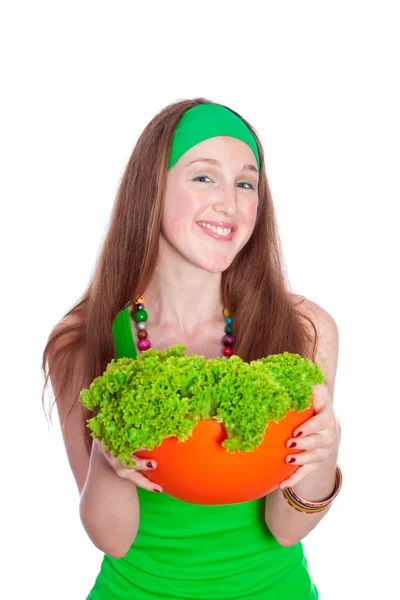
{"points": [[254, 288]]}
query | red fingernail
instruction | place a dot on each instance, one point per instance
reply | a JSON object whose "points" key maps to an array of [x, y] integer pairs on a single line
{"points": [[299, 434], [291, 460], [155, 490], [292, 445], [149, 464]]}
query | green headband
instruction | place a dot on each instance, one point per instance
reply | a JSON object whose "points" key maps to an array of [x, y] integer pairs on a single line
{"points": [[205, 121]]}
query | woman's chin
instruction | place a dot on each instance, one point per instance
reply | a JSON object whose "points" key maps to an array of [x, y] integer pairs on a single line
{"points": [[216, 265]]}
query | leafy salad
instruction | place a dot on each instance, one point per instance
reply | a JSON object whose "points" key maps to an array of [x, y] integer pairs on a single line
{"points": [[140, 402]]}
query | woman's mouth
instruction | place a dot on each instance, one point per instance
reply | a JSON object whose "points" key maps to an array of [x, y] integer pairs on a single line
{"points": [[223, 234]]}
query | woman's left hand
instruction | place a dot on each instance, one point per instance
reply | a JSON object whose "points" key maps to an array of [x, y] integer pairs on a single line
{"points": [[320, 437]]}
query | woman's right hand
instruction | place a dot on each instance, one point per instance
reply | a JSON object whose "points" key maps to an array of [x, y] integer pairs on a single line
{"points": [[131, 473]]}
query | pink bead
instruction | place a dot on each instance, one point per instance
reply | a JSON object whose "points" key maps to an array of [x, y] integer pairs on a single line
{"points": [[144, 344], [227, 340]]}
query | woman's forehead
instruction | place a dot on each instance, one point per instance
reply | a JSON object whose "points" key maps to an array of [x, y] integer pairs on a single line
{"points": [[219, 151]]}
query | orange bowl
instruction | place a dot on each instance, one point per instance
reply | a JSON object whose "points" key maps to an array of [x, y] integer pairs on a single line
{"points": [[201, 471]]}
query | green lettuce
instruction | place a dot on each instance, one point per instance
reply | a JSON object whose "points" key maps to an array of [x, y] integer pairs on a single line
{"points": [[140, 402]]}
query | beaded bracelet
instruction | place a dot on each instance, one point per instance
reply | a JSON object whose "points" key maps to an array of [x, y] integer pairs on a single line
{"points": [[312, 507]]}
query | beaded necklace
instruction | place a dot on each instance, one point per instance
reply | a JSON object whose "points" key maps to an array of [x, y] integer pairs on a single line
{"points": [[140, 317]]}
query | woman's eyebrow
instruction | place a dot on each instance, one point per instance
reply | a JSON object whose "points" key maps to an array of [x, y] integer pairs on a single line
{"points": [[213, 161]]}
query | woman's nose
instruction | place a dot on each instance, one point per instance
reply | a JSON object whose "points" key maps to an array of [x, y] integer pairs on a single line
{"points": [[226, 203]]}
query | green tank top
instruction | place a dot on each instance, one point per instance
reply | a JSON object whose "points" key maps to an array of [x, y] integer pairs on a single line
{"points": [[188, 551]]}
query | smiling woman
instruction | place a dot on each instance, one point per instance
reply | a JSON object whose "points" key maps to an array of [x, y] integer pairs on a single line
{"points": [[192, 235], [194, 199]]}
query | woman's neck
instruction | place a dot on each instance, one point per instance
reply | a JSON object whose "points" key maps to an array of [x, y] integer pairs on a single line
{"points": [[187, 298]]}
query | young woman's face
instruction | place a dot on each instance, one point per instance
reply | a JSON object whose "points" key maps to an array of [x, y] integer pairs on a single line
{"points": [[211, 203]]}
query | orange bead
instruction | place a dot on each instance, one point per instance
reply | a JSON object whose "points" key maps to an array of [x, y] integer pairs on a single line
{"points": [[140, 300], [142, 333], [226, 313]]}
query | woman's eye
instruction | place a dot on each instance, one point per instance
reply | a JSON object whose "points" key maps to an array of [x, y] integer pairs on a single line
{"points": [[201, 177], [247, 183]]}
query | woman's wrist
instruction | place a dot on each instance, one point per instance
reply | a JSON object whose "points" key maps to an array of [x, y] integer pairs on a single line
{"points": [[318, 485], [311, 507], [318, 490]]}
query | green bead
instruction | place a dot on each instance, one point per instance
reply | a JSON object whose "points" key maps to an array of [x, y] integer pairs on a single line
{"points": [[140, 315], [228, 329]]}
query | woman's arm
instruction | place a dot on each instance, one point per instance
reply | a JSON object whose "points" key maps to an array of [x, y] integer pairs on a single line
{"points": [[286, 524], [109, 507]]}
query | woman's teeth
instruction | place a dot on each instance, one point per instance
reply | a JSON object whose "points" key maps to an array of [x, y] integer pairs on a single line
{"points": [[217, 230]]}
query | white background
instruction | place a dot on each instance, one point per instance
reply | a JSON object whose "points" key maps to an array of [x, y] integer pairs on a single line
{"points": [[319, 82]]}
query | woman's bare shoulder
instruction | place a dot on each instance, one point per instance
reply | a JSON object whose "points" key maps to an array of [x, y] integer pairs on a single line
{"points": [[320, 316], [327, 348]]}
